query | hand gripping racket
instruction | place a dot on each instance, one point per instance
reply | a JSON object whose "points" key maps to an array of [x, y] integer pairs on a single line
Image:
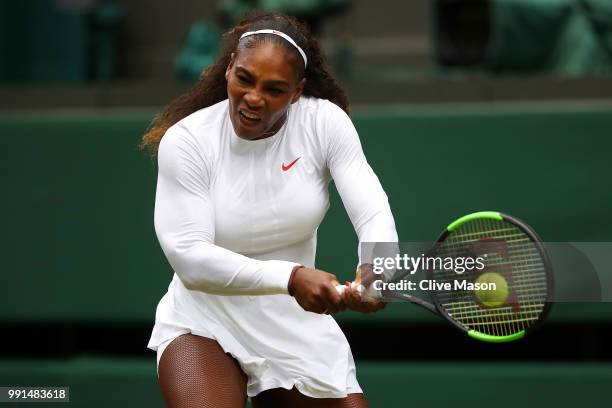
{"points": [[513, 258]]}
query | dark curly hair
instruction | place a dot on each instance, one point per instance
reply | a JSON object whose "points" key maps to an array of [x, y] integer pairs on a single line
{"points": [[211, 88]]}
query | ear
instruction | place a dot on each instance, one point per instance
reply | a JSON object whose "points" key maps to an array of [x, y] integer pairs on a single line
{"points": [[298, 91], [230, 65]]}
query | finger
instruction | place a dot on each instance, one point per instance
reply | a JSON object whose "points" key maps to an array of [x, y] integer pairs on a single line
{"points": [[319, 309], [357, 296], [358, 301], [371, 305], [331, 309], [342, 304], [312, 306], [377, 305], [334, 301], [349, 301], [325, 300]]}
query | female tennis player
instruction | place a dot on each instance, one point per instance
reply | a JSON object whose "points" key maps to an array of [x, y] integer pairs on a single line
{"points": [[245, 159]]}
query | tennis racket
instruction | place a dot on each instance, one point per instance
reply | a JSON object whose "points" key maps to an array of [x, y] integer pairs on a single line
{"points": [[511, 256]]}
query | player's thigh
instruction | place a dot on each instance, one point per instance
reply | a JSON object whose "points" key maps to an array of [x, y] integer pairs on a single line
{"points": [[194, 371], [280, 397]]}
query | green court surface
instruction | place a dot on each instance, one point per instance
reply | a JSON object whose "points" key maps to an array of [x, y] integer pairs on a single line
{"points": [[111, 382]]}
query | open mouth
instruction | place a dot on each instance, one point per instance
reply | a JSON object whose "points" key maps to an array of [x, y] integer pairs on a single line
{"points": [[248, 116]]}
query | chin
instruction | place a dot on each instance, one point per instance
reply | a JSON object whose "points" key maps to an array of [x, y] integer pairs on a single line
{"points": [[247, 134]]}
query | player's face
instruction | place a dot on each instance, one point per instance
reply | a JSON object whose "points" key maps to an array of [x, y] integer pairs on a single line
{"points": [[261, 84]]}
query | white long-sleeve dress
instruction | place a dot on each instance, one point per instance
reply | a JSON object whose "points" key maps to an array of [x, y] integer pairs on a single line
{"points": [[234, 217]]}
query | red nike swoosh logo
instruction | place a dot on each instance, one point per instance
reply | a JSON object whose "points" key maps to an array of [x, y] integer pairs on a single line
{"points": [[287, 167]]}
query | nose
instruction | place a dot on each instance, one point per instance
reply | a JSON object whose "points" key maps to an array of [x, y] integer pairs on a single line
{"points": [[253, 98]]}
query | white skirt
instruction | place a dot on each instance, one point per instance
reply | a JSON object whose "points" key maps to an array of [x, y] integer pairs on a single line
{"points": [[276, 342]]}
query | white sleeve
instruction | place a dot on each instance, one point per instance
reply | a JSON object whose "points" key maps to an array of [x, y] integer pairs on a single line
{"points": [[364, 198], [185, 227]]}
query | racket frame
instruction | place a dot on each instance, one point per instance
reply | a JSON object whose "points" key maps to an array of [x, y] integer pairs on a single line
{"points": [[436, 306]]}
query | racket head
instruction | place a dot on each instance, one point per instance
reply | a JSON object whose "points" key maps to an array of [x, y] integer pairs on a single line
{"points": [[510, 249]]}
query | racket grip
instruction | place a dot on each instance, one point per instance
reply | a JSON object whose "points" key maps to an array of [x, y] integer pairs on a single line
{"points": [[371, 292], [342, 288]]}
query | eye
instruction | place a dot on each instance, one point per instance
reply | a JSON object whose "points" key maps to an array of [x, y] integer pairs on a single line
{"points": [[243, 79], [276, 91]]}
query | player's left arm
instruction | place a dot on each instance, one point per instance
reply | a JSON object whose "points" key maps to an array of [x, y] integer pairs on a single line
{"points": [[363, 197]]}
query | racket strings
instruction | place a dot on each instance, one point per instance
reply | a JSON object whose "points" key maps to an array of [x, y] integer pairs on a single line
{"points": [[518, 260]]}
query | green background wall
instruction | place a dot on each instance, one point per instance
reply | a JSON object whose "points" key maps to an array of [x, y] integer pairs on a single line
{"points": [[78, 238]]}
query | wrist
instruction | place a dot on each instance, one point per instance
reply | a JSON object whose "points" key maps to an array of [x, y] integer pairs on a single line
{"points": [[367, 276], [292, 278]]}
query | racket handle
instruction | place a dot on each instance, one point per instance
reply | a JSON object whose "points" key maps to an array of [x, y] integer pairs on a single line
{"points": [[371, 292], [342, 288]]}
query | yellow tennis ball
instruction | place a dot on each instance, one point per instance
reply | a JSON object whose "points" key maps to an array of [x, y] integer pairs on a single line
{"points": [[486, 294]]}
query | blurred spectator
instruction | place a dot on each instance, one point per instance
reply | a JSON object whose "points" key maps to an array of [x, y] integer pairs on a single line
{"points": [[570, 37], [58, 40]]}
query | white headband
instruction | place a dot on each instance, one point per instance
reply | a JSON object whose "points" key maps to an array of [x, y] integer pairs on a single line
{"points": [[285, 36]]}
